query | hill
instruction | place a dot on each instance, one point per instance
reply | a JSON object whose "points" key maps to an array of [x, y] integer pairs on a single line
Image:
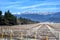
{"points": [[53, 17], [9, 19]]}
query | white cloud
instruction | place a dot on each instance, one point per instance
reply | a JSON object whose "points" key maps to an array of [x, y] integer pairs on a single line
{"points": [[43, 11], [17, 6], [37, 5], [16, 13]]}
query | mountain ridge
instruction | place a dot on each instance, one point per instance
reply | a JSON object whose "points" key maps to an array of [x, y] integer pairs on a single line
{"points": [[54, 17]]}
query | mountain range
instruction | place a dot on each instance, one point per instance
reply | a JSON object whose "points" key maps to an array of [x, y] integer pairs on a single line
{"points": [[53, 17]]}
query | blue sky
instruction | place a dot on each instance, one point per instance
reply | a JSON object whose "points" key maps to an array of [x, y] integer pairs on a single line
{"points": [[18, 6]]}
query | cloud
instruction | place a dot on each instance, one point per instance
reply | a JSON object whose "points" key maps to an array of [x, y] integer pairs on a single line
{"points": [[20, 5], [30, 5], [16, 13], [42, 4]]}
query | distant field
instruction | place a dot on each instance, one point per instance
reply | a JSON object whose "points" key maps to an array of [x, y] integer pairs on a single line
{"points": [[18, 27], [56, 26], [29, 30], [27, 26]]}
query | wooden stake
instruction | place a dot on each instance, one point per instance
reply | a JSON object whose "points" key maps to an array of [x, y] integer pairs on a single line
{"points": [[46, 37], [21, 35], [2, 35], [11, 35], [35, 36]]}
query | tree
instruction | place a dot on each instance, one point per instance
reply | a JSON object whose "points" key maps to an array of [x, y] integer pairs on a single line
{"points": [[0, 17], [26, 21], [0, 13], [9, 18]]}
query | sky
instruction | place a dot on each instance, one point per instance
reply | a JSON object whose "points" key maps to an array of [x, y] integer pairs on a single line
{"points": [[19, 6]]}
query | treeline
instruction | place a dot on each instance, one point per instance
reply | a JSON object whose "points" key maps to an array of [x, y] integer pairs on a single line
{"points": [[9, 19], [26, 21]]}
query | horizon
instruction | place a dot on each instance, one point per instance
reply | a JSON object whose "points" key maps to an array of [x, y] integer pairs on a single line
{"points": [[19, 6]]}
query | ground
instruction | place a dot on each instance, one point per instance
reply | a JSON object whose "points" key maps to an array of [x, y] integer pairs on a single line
{"points": [[40, 30]]}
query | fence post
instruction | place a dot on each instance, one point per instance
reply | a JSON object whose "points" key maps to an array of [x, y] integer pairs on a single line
{"points": [[3, 35], [11, 35], [35, 36], [59, 36], [21, 35], [47, 37]]}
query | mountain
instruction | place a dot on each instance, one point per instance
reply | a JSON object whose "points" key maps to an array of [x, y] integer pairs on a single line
{"points": [[54, 17]]}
